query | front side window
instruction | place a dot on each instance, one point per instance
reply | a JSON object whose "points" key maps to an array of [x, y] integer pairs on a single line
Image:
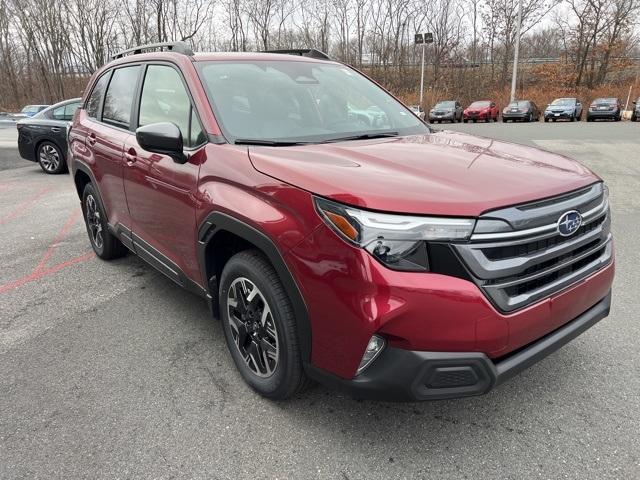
{"points": [[164, 99], [119, 97], [297, 101], [93, 104]]}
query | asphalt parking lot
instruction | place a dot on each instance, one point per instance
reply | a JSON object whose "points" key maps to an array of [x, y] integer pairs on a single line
{"points": [[109, 371]]}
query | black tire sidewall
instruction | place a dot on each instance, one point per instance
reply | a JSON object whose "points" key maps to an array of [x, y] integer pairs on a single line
{"points": [[276, 384], [89, 190]]}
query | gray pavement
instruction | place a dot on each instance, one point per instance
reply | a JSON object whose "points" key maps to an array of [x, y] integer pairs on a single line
{"points": [[109, 371]]}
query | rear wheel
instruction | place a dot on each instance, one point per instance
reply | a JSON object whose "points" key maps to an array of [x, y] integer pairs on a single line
{"points": [[260, 327], [103, 242], [50, 158]]}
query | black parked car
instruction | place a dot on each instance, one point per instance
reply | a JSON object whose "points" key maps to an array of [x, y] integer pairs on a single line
{"points": [[523, 110], [606, 109], [448, 110], [43, 137], [635, 115]]}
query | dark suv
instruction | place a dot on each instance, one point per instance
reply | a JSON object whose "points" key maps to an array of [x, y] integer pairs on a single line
{"points": [[367, 252]]}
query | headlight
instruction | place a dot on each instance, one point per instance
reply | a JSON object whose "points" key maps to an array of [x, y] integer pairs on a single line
{"points": [[397, 241]]}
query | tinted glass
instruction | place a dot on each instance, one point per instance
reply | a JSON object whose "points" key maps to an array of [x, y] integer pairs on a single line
{"points": [[119, 97], [301, 101], [58, 113], [93, 104], [164, 99], [65, 112], [480, 105], [564, 101], [519, 103]]}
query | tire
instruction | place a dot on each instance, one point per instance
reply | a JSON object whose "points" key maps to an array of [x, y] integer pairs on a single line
{"points": [[546, 119], [50, 158], [573, 117], [464, 120], [530, 118], [104, 243], [279, 378]]}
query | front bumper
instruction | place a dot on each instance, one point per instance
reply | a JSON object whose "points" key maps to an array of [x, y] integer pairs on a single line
{"points": [[447, 116], [514, 115], [405, 375], [557, 115]]}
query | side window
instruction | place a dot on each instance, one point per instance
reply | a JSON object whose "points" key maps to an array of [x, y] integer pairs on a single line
{"points": [[65, 112], [164, 99], [69, 110], [119, 97], [58, 113], [93, 104]]}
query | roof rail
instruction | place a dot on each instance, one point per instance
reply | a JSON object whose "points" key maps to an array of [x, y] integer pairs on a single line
{"points": [[302, 52], [177, 47]]}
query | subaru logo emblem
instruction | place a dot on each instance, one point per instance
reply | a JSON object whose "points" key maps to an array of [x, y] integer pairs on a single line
{"points": [[569, 222]]}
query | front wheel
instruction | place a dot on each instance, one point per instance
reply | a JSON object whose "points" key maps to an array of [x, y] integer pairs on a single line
{"points": [[51, 159], [260, 327]]}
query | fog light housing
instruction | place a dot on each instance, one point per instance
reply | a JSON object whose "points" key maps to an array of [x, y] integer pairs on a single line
{"points": [[374, 348]]}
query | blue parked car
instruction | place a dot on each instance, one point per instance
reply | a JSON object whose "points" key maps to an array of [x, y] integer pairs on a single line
{"points": [[564, 108], [31, 110]]}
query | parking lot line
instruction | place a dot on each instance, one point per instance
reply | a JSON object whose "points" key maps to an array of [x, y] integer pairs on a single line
{"points": [[61, 234], [41, 269], [24, 205]]}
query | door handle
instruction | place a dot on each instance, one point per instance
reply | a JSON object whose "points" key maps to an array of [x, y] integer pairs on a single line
{"points": [[91, 139], [55, 129], [130, 156]]}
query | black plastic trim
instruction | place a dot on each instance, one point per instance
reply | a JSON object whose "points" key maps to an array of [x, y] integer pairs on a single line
{"points": [[219, 222], [406, 375]]}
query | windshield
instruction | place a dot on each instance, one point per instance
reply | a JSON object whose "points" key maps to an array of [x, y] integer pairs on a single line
{"points": [[564, 101], [604, 100], [519, 103], [480, 105], [445, 105], [293, 101]]}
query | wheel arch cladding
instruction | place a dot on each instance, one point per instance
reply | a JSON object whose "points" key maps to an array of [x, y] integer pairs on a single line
{"points": [[220, 236], [81, 179]]}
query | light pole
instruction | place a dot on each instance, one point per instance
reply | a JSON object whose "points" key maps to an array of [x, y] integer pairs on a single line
{"points": [[516, 54], [422, 39]]}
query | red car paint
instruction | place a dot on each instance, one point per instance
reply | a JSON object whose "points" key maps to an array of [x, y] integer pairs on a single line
{"points": [[348, 294], [478, 111]]}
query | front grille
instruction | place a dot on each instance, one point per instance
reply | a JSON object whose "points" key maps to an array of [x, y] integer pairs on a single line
{"points": [[515, 267]]}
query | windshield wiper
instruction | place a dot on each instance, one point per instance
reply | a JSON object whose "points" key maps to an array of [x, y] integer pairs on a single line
{"points": [[266, 143], [362, 136]]}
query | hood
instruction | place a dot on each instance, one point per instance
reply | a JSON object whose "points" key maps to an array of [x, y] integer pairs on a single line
{"points": [[444, 173]]}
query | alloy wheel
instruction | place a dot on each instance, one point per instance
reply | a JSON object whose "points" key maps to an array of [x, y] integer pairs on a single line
{"points": [[253, 327], [49, 158], [94, 221]]}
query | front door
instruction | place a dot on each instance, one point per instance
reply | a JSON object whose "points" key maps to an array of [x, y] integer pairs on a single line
{"points": [[160, 192]]}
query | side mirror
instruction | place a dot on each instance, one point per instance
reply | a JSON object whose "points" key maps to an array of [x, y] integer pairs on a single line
{"points": [[164, 138]]}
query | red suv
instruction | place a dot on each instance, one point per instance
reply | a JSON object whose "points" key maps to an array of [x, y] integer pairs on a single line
{"points": [[334, 234], [486, 110]]}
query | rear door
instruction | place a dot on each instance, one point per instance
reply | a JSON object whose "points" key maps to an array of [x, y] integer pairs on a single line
{"points": [[105, 123], [161, 193]]}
